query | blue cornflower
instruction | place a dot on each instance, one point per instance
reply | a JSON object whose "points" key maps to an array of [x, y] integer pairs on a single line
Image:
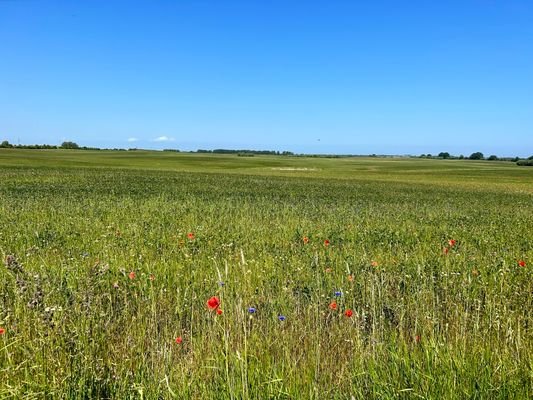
{"points": [[281, 317], [252, 310], [338, 293], [220, 283]]}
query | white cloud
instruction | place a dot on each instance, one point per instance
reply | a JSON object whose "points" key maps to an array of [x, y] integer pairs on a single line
{"points": [[132, 139], [164, 139]]}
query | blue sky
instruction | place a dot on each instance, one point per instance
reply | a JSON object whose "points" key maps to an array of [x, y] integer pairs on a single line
{"points": [[308, 76]]}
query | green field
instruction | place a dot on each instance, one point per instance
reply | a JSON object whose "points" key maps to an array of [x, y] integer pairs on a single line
{"points": [[430, 319]]}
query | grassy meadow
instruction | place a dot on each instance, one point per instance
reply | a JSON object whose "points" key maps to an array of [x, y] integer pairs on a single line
{"points": [[362, 278]]}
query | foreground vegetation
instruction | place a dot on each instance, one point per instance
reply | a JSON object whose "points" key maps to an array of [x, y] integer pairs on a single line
{"points": [[336, 278]]}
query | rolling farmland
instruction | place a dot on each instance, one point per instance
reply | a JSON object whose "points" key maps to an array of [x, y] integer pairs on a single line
{"points": [[333, 278]]}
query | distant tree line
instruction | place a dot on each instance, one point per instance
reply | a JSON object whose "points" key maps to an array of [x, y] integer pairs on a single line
{"points": [[243, 152], [65, 145], [477, 156], [526, 163], [250, 153], [74, 146], [6, 145]]}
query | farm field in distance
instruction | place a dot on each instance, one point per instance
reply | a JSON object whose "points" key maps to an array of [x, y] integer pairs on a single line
{"points": [[337, 278]]}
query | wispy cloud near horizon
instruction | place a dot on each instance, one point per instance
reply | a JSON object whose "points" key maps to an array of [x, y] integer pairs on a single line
{"points": [[164, 139], [132, 139]]}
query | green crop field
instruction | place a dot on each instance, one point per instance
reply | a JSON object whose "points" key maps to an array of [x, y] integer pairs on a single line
{"points": [[337, 278]]}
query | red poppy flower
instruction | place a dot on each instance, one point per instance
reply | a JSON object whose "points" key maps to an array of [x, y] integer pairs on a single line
{"points": [[452, 242], [350, 278], [306, 240], [348, 313], [190, 235], [445, 250], [417, 338], [219, 311], [328, 270], [333, 305], [2, 331], [179, 339], [522, 263], [326, 242], [374, 263], [213, 303], [152, 277], [131, 275]]}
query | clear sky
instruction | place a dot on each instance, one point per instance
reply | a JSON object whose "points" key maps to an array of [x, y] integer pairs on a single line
{"points": [[359, 77]]}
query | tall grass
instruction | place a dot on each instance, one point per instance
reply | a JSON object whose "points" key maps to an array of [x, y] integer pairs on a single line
{"points": [[430, 319]]}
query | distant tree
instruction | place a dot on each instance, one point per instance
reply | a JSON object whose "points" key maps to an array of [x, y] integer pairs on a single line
{"points": [[530, 158], [461, 157], [444, 155], [5, 144], [476, 156], [492, 158], [69, 145], [525, 163]]}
